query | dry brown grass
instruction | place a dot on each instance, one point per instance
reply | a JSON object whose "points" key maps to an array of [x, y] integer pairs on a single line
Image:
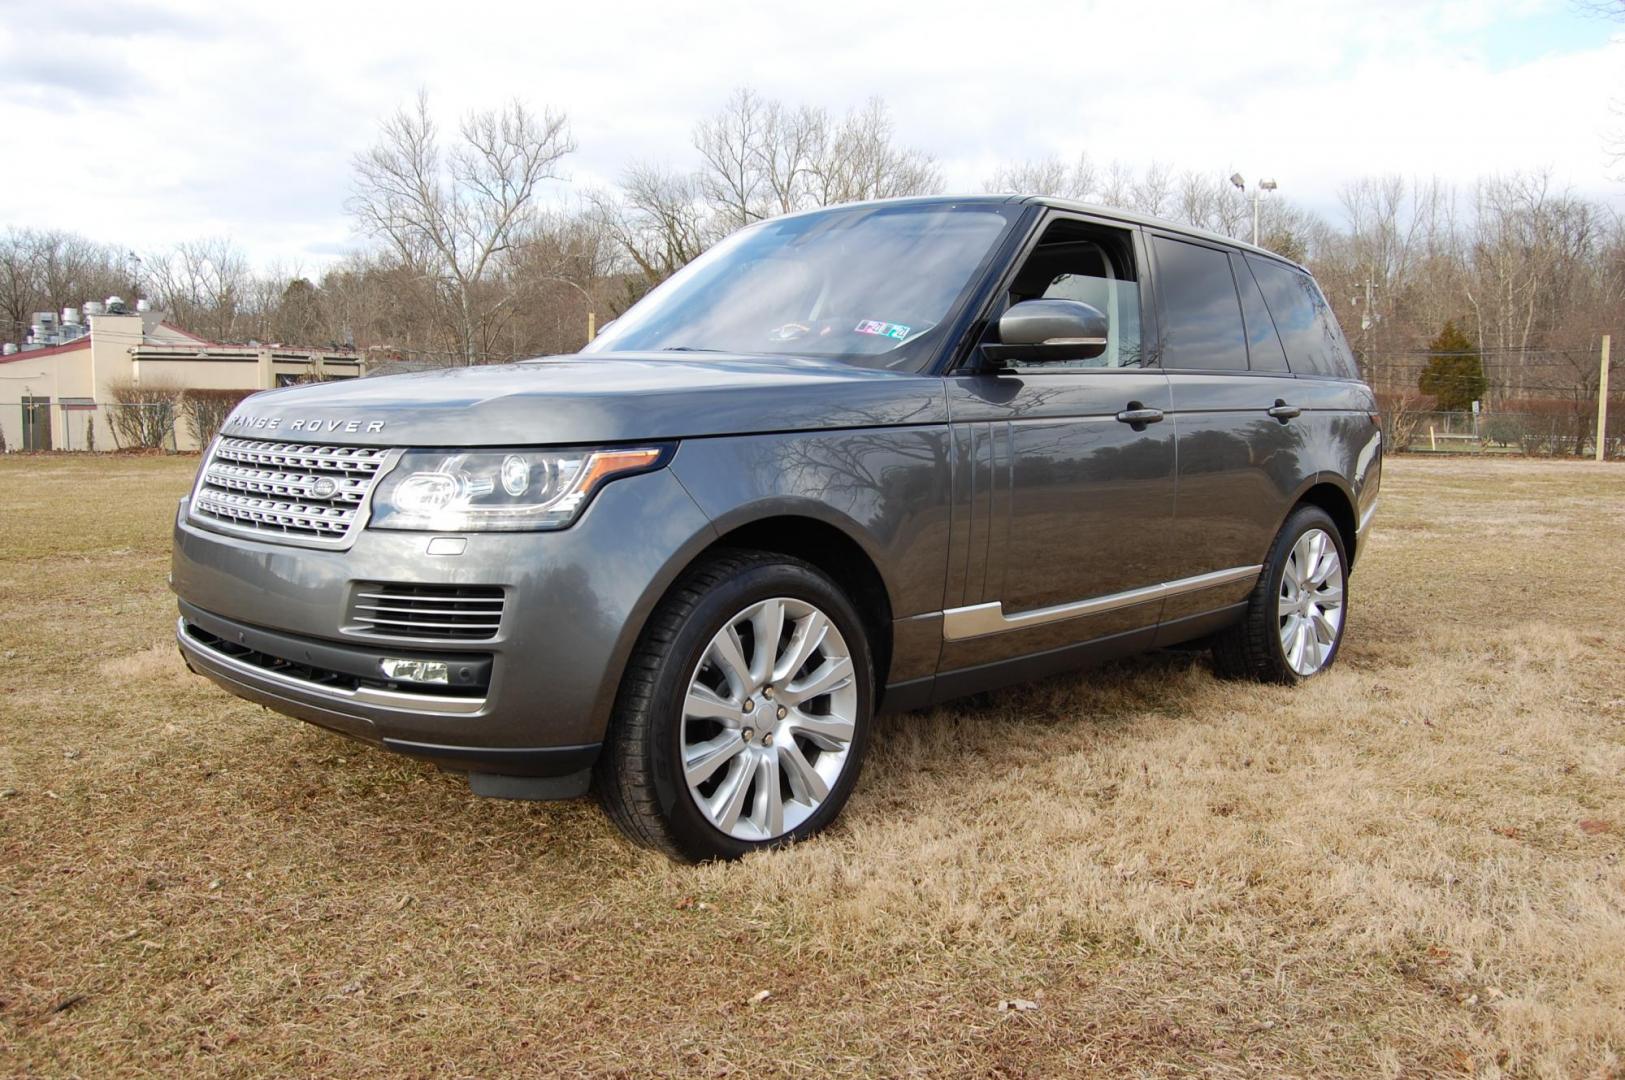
{"points": [[1411, 866]]}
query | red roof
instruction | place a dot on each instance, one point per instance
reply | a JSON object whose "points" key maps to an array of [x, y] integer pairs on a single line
{"points": [[185, 333], [34, 354]]}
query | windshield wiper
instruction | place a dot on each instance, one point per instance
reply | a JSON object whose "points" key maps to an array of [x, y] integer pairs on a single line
{"points": [[689, 348]]}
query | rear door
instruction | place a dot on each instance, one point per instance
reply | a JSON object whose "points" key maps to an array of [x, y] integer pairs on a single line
{"points": [[1235, 417], [1062, 510]]}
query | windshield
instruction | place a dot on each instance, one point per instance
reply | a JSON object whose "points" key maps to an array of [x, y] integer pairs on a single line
{"points": [[867, 285]]}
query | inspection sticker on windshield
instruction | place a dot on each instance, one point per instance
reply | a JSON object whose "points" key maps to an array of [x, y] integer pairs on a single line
{"points": [[882, 329]]}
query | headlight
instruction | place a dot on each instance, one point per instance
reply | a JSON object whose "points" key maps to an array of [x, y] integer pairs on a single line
{"points": [[456, 491]]}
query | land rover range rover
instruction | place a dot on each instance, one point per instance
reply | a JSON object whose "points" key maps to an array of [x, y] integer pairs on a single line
{"points": [[874, 456]]}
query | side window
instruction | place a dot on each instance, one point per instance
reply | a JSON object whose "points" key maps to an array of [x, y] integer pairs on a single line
{"points": [[1201, 325], [1094, 264], [1263, 344], [1314, 345]]}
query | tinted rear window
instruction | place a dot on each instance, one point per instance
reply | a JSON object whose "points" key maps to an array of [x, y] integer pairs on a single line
{"points": [[1263, 346], [1314, 346], [1201, 323]]}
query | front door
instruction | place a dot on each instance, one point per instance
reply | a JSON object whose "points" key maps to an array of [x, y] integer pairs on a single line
{"points": [[1063, 503]]}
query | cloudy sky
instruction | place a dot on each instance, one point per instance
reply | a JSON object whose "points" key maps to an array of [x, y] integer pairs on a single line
{"points": [[146, 123]]}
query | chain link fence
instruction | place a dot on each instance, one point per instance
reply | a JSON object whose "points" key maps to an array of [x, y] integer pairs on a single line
{"points": [[34, 427], [1561, 431]]}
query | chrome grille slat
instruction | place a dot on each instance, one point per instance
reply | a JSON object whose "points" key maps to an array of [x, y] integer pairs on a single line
{"points": [[412, 609], [270, 489]]}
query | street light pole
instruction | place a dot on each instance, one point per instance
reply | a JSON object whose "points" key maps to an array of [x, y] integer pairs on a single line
{"points": [[1258, 191]]}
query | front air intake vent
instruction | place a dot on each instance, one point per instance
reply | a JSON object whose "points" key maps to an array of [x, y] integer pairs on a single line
{"points": [[399, 609]]}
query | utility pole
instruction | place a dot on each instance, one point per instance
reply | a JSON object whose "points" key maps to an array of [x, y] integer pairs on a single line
{"points": [[1602, 402]]}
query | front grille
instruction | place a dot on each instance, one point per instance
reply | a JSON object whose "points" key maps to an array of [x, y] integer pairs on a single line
{"points": [[400, 609], [288, 491]]}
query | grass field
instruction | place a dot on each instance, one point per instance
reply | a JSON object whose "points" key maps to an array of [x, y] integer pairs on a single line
{"points": [[1411, 866]]}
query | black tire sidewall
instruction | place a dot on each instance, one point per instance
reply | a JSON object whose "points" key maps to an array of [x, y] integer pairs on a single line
{"points": [[1303, 520], [689, 827]]}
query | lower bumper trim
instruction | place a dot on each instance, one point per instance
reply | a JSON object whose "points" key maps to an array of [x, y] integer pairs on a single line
{"points": [[526, 761]]}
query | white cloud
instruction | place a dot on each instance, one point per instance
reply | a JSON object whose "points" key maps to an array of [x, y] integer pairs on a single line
{"points": [[147, 125]]}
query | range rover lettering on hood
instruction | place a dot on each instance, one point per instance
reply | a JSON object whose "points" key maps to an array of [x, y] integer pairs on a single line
{"points": [[245, 422]]}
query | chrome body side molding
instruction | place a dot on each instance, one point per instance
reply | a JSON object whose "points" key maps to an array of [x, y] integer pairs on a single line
{"points": [[978, 620]]}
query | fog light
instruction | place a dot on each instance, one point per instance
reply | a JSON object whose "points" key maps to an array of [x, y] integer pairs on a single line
{"points": [[417, 671]]}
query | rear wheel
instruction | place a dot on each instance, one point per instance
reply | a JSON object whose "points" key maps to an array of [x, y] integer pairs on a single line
{"points": [[1294, 621], [744, 711]]}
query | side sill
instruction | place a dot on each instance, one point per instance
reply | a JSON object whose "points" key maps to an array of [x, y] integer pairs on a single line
{"points": [[979, 620]]}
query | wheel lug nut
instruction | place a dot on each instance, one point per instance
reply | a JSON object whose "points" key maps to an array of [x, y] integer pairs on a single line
{"points": [[783, 712], [767, 739], [750, 705], [768, 693]]}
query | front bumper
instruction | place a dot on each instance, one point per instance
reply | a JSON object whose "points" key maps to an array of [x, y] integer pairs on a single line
{"points": [[274, 624]]}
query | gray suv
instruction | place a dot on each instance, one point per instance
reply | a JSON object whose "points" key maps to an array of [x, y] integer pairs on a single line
{"points": [[870, 457]]}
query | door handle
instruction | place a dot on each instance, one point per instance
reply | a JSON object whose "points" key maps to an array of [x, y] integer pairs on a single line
{"points": [[1282, 411], [1139, 415]]}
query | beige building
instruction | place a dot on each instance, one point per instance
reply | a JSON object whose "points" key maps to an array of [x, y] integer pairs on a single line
{"points": [[61, 396]]}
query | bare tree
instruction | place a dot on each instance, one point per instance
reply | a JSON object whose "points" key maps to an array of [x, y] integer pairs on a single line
{"points": [[659, 221], [861, 160], [1048, 176], [47, 270], [448, 215], [207, 285], [761, 157]]}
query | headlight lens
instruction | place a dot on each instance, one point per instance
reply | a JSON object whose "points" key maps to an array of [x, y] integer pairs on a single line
{"points": [[511, 490]]}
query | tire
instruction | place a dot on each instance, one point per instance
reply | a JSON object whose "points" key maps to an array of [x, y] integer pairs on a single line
{"points": [[697, 690], [1280, 611]]}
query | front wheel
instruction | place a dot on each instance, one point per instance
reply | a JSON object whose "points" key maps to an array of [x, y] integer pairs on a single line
{"points": [[744, 711], [1294, 621]]}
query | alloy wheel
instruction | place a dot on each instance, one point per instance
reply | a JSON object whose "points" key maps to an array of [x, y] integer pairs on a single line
{"points": [[768, 719], [1311, 602]]}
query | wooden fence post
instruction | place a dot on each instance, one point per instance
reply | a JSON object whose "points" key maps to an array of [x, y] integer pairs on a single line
{"points": [[1602, 403]]}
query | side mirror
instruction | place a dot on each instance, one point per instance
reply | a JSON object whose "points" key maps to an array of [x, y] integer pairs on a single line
{"points": [[1047, 331]]}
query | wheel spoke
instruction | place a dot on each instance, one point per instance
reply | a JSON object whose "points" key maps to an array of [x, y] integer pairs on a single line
{"points": [[703, 703], [1326, 568], [1291, 578], [729, 653], [805, 783], [808, 635], [702, 760], [767, 623], [1325, 632], [1299, 644], [828, 732], [729, 799], [1329, 596], [832, 674], [768, 811]]}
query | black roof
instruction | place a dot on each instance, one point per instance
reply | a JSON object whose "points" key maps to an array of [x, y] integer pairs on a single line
{"points": [[1129, 217]]}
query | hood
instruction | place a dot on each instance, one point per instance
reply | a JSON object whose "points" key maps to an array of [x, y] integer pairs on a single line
{"points": [[603, 397]]}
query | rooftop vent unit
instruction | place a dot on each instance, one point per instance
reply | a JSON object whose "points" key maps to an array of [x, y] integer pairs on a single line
{"points": [[115, 306], [8, 349], [45, 329], [70, 316], [143, 306], [94, 307]]}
